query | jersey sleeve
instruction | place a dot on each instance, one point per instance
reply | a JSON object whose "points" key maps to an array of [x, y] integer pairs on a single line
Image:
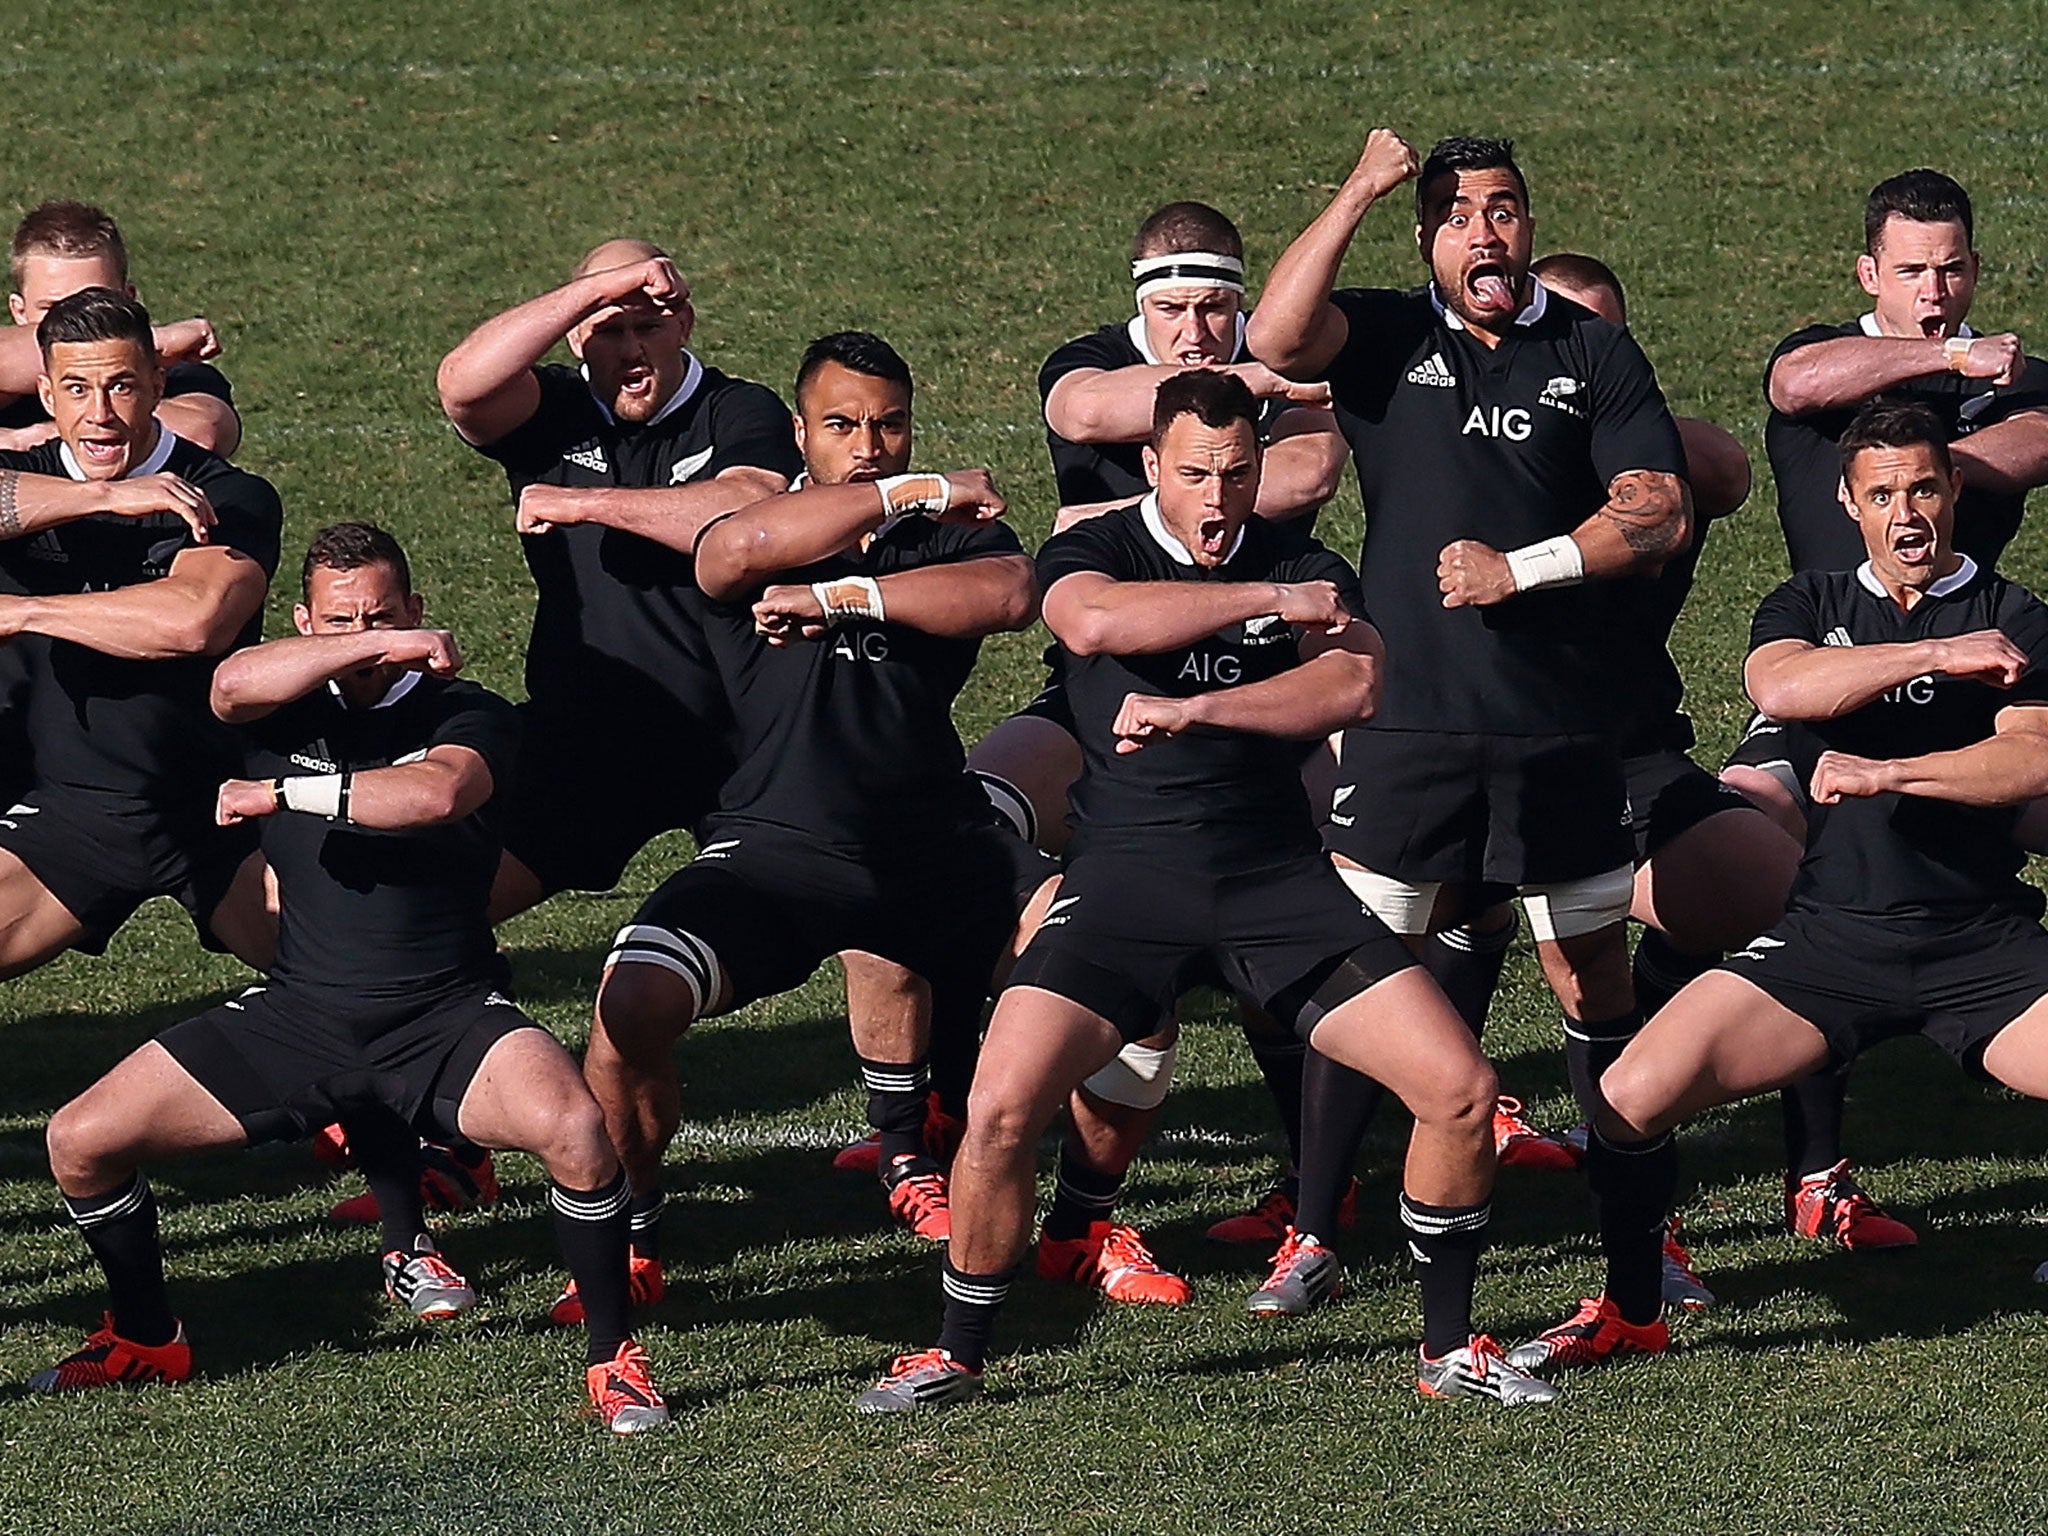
{"points": [[2029, 392], [1095, 350], [750, 426], [478, 719], [268, 742], [1316, 561], [954, 542], [1375, 340], [536, 443], [1790, 613], [1632, 425], [197, 379], [2024, 621], [43, 459], [1087, 546], [1798, 339], [250, 517]]}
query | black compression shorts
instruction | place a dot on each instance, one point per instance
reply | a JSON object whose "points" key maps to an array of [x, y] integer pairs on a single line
{"points": [[1426, 806], [1668, 794], [1126, 936], [1859, 980], [1785, 749], [104, 858], [285, 1064]]}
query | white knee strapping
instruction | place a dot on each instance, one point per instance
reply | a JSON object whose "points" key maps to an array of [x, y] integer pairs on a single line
{"points": [[1575, 907], [1011, 803], [684, 954], [1402, 907], [1138, 1078]]}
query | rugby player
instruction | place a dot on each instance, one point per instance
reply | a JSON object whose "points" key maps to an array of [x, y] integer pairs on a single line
{"points": [[1188, 270], [1920, 268], [375, 773], [1512, 448], [135, 560], [844, 617], [1206, 651], [1922, 674]]}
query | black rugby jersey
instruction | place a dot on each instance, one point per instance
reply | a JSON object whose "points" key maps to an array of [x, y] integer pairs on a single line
{"points": [[849, 738], [1206, 799], [1092, 472], [383, 916], [137, 730], [618, 627], [1806, 459], [1905, 856], [1508, 445], [179, 379], [1650, 691]]}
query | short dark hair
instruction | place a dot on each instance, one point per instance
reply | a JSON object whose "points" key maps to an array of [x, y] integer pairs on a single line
{"points": [[1212, 398], [1574, 270], [1462, 152], [350, 547], [861, 351], [1895, 424], [1182, 227], [66, 228], [1922, 196], [96, 314]]}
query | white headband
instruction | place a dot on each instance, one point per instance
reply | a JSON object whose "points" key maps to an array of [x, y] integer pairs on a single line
{"points": [[1187, 269]]}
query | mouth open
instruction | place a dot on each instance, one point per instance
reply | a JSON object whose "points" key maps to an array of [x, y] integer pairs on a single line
{"points": [[1913, 545], [1488, 286], [1212, 538], [105, 452]]}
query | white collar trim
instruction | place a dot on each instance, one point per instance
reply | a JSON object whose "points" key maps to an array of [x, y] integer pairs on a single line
{"points": [[159, 456], [407, 681], [1870, 327], [1961, 576], [1135, 329], [1531, 312], [693, 376], [1148, 514]]}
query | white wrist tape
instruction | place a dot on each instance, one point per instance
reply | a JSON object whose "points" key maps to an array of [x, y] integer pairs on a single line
{"points": [[849, 597], [1955, 351], [904, 495], [1557, 562], [317, 794]]}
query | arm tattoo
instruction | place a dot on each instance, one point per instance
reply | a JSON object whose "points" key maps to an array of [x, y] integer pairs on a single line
{"points": [[1640, 505], [10, 514]]}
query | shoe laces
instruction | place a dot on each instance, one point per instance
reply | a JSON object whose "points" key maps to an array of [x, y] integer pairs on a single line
{"points": [[1485, 1353], [1297, 1247], [1124, 1248], [910, 1364]]}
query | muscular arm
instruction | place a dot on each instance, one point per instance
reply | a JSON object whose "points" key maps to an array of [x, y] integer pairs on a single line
{"points": [[2009, 768], [1796, 680], [196, 610], [1335, 687], [1114, 405], [1846, 371], [1303, 466], [1094, 614], [30, 503], [670, 515], [205, 420], [1647, 520], [1716, 467], [21, 360], [2009, 456], [259, 679], [449, 783]]}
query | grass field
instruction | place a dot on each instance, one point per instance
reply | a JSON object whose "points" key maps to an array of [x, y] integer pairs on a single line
{"points": [[345, 190]]}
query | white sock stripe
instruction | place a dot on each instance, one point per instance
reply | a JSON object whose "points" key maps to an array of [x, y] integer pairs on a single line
{"points": [[1087, 1199], [126, 1204], [1468, 942], [896, 1080], [650, 1217], [582, 1208], [1633, 1148], [1439, 1226], [974, 1295]]}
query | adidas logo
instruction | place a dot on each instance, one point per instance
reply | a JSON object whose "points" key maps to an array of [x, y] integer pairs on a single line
{"points": [[1432, 370], [589, 456], [1837, 636], [45, 547]]}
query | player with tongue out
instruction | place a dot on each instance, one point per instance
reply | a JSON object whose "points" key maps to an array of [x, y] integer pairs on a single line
{"points": [[1514, 453]]}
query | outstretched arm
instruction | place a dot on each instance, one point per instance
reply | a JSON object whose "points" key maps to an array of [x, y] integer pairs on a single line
{"points": [[29, 502], [1094, 614], [259, 679], [2008, 768], [1846, 371], [1335, 687], [1796, 680], [2009, 456], [1646, 520], [674, 515], [449, 783], [1303, 465], [1296, 330], [963, 600], [196, 610]]}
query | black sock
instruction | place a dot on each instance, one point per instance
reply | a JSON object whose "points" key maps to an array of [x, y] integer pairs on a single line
{"points": [[644, 1213], [1445, 1242], [896, 1104], [957, 1020], [1661, 968], [1814, 1108], [1591, 1046], [972, 1302], [1337, 1105], [1281, 1060], [120, 1229], [387, 1150], [1082, 1196], [1634, 1182], [592, 1226], [1466, 963]]}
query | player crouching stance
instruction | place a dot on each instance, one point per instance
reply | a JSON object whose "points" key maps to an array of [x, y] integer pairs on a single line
{"points": [[376, 772], [1924, 678], [1206, 650]]}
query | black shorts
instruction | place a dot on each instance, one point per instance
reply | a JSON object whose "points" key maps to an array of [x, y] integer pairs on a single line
{"points": [[1785, 749], [1507, 810], [771, 904], [1860, 981], [1127, 935], [590, 791], [103, 858], [1669, 793], [285, 1063]]}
